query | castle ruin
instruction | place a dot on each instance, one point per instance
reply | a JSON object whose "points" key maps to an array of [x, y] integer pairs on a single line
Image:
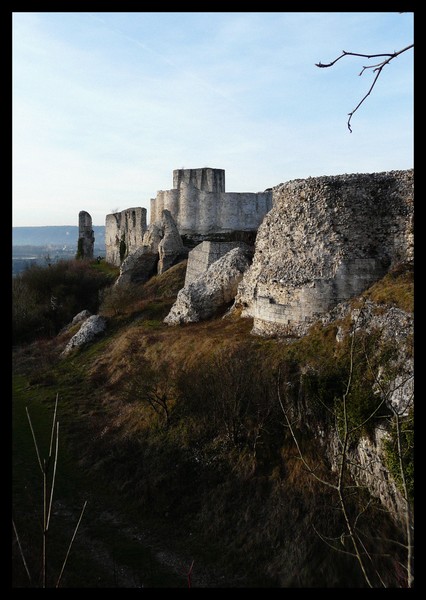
{"points": [[86, 236], [318, 241], [199, 206], [326, 239], [124, 233], [203, 210]]}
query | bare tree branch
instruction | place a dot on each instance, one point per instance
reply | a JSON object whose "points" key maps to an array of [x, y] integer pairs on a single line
{"points": [[377, 68], [301, 457], [327, 541]]}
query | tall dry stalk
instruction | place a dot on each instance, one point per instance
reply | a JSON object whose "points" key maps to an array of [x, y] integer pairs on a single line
{"points": [[48, 491]]}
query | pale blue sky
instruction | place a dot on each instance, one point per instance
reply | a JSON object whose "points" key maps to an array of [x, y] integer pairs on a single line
{"points": [[107, 105]]}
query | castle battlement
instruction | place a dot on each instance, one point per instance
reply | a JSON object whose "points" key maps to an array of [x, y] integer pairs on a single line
{"points": [[200, 206]]}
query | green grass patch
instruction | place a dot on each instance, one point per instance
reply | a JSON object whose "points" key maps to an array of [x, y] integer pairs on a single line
{"points": [[103, 549]]}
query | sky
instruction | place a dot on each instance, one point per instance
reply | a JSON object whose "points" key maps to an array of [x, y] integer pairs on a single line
{"points": [[105, 105]]}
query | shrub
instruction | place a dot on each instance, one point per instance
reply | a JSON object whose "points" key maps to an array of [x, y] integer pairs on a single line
{"points": [[407, 454], [45, 299]]}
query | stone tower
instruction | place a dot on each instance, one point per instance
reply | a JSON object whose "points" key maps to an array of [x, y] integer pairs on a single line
{"points": [[206, 180], [86, 236], [202, 210]]}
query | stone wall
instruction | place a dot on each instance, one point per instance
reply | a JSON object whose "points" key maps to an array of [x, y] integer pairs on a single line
{"points": [[124, 233], [86, 236], [325, 240], [208, 180], [199, 204], [203, 255]]}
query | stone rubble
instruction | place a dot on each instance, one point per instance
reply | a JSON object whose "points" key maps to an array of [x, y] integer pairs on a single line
{"points": [[210, 291], [90, 329]]}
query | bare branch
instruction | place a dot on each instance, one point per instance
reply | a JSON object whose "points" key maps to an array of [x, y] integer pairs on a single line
{"points": [[378, 68], [71, 542], [371, 560], [327, 541], [361, 513], [302, 458], [53, 425], [351, 114], [52, 486]]}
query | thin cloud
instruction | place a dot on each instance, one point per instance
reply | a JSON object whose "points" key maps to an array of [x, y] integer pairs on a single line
{"points": [[106, 105]]}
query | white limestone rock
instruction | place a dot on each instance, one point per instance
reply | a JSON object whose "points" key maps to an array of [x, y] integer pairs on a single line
{"points": [[138, 267], [211, 290], [79, 318], [396, 328], [152, 237], [90, 329], [170, 248]]}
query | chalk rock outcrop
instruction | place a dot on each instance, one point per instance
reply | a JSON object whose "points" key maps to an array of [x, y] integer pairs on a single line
{"points": [[396, 328], [205, 254], [326, 239], [170, 248], [89, 330], [162, 248], [152, 238], [79, 318], [210, 291], [138, 267], [367, 462]]}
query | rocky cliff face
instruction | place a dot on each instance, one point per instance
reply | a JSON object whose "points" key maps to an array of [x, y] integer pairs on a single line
{"points": [[393, 384], [325, 240]]}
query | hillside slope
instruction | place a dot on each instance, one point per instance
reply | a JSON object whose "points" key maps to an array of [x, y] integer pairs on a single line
{"points": [[188, 429]]}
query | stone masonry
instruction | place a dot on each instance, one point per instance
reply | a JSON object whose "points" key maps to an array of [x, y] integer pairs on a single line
{"points": [[325, 240], [203, 210], [86, 237], [203, 255], [124, 233]]}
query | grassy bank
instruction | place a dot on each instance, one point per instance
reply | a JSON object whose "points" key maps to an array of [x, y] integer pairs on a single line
{"points": [[175, 437]]}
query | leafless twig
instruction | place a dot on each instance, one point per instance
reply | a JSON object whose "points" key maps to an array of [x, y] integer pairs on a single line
{"points": [[377, 68]]}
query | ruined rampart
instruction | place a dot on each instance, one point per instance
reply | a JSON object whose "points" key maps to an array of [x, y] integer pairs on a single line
{"points": [[325, 240], [124, 233], [201, 208]]}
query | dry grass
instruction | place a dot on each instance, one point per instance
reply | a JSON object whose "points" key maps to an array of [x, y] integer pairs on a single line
{"points": [[250, 511], [395, 289]]}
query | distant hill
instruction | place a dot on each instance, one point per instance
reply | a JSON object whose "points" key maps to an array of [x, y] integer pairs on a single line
{"points": [[66, 235]]}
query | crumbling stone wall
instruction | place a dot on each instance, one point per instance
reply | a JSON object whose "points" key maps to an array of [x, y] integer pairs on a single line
{"points": [[200, 206], [325, 240], [205, 254], [124, 233], [86, 236]]}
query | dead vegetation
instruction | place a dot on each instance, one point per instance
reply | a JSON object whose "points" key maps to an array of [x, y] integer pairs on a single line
{"points": [[184, 424]]}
